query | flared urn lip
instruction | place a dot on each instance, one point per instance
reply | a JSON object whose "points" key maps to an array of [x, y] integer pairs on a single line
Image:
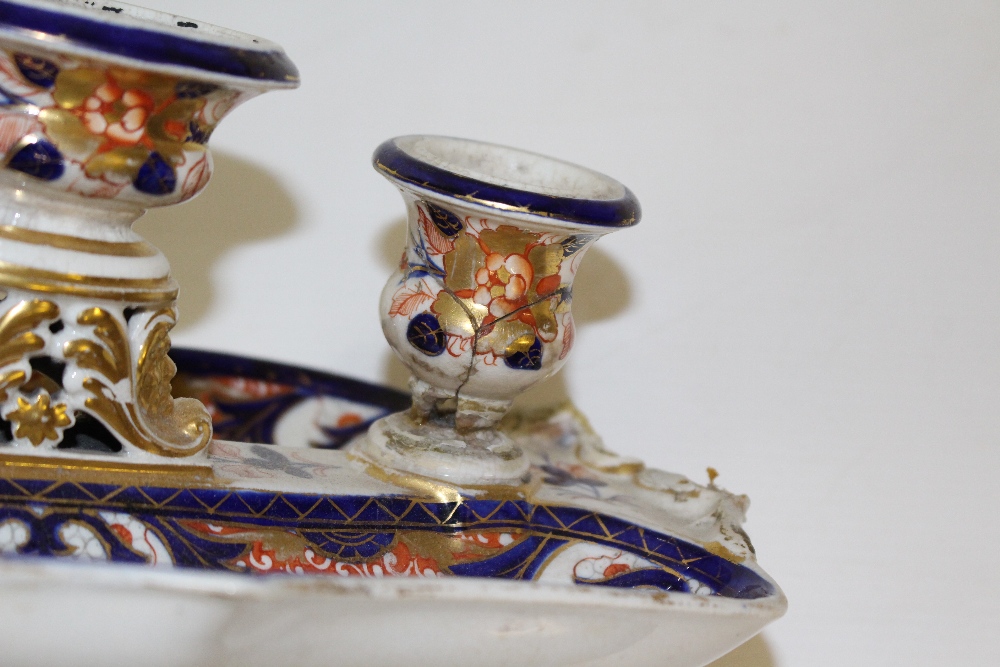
{"points": [[508, 179], [147, 39]]}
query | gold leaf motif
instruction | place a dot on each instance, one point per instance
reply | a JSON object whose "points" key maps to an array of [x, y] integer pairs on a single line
{"points": [[454, 317], [522, 344], [10, 381], [111, 359], [155, 370], [154, 422], [545, 320], [503, 334], [461, 264], [40, 420], [124, 160], [73, 86], [545, 260], [16, 335], [157, 86], [74, 139], [180, 112], [507, 240]]}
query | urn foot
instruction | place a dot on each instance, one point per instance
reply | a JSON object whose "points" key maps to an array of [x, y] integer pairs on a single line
{"points": [[436, 449]]}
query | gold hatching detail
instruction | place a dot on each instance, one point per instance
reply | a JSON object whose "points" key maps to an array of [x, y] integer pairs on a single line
{"points": [[115, 497]]}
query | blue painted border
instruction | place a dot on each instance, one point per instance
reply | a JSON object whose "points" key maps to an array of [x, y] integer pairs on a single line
{"points": [[255, 420], [332, 516], [395, 162], [202, 362], [330, 520], [149, 45]]}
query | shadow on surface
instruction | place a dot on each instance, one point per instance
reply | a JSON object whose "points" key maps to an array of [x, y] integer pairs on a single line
{"points": [[754, 653], [601, 291], [243, 203]]}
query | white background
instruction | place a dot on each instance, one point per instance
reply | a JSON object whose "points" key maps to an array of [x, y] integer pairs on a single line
{"points": [[811, 303]]}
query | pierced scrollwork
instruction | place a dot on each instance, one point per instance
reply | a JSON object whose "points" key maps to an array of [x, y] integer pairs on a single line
{"points": [[60, 360], [39, 420], [109, 355], [34, 416], [129, 389], [18, 339]]}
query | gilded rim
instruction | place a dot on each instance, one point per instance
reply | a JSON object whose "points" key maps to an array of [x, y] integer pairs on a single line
{"points": [[112, 29], [395, 163]]}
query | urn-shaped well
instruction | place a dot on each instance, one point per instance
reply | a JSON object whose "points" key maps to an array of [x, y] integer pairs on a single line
{"points": [[106, 109], [480, 306]]}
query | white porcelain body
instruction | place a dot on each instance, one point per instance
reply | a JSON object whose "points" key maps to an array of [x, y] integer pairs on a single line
{"points": [[175, 619]]}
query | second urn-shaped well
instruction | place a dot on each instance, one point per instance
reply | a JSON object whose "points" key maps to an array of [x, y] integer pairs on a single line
{"points": [[479, 308]]}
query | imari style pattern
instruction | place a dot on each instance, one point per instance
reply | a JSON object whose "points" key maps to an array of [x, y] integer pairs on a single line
{"points": [[227, 520], [251, 472], [104, 111], [480, 308], [259, 401], [260, 532], [105, 131], [476, 285], [109, 101]]}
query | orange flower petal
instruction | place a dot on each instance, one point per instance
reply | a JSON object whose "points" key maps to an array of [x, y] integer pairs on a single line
{"points": [[95, 122], [494, 261], [136, 98], [482, 296], [119, 134], [547, 285], [516, 288], [108, 92], [519, 265], [134, 119], [501, 307]]}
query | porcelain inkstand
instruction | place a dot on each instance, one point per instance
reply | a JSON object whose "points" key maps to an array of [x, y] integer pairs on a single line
{"points": [[191, 509]]}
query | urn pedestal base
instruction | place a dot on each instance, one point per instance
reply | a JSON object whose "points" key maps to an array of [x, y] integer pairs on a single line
{"points": [[432, 449]]}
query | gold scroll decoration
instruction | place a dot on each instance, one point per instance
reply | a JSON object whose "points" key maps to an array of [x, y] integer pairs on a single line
{"points": [[149, 418], [17, 339]]}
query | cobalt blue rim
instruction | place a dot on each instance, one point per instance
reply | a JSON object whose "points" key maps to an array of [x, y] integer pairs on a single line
{"points": [[313, 382], [151, 46], [325, 520], [397, 164]]}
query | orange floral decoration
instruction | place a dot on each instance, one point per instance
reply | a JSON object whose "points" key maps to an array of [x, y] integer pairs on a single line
{"points": [[113, 120], [508, 279]]}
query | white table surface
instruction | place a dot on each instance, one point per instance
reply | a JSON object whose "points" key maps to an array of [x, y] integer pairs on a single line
{"points": [[811, 303]]}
